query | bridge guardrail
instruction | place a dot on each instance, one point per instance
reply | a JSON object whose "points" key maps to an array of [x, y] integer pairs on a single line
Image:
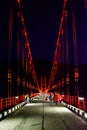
{"points": [[11, 101], [79, 102]]}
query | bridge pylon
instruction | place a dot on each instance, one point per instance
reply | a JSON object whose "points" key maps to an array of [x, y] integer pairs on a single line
{"points": [[43, 84]]}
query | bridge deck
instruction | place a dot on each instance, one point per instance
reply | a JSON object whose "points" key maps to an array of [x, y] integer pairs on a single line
{"points": [[43, 116]]}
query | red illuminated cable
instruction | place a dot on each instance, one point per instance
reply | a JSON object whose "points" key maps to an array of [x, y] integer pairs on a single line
{"points": [[67, 54], [58, 41], [27, 44]]}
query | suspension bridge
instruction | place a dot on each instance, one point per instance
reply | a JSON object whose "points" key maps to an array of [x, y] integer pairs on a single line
{"points": [[20, 75]]}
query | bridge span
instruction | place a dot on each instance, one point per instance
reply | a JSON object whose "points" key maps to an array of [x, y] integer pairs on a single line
{"points": [[40, 115]]}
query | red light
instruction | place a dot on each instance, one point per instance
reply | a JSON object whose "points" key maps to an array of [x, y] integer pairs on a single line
{"points": [[65, 0], [76, 74], [18, 1], [18, 79], [66, 13], [59, 32], [27, 44], [61, 19], [19, 14], [62, 32], [22, 20]]}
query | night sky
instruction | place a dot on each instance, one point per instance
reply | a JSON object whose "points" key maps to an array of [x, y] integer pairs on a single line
{"points": [[42, 20], [81, 24]]}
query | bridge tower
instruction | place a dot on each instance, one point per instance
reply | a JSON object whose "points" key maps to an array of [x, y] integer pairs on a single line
{"points": [[43, 84]]}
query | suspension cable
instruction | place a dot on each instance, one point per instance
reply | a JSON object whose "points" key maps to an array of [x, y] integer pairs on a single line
{"points": [[57, 45], [67, 54], [27, 44], [76, 73]]}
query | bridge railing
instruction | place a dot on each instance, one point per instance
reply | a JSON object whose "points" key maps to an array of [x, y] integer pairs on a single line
{"points": [[79, 102], [11, 101]]}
